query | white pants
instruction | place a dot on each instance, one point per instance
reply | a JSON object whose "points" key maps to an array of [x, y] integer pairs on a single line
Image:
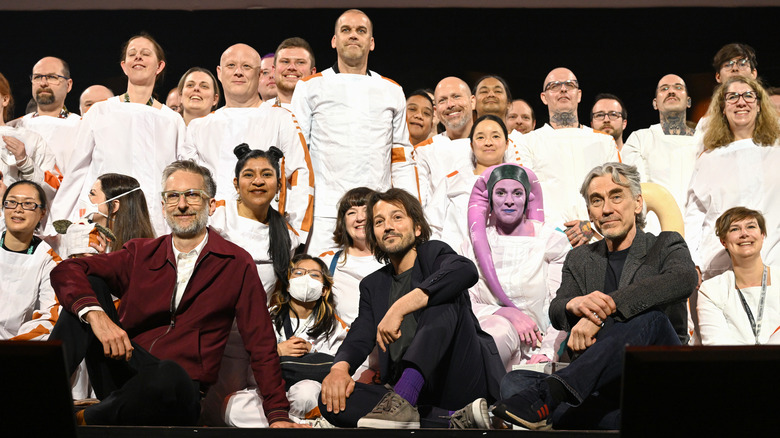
{"points": [[244, 408]]}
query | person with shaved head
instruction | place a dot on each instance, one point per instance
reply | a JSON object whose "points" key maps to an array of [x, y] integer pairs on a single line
{"points": [[443, 153], [665, 153], [354, 121], [92, 95], [561, 153], [210, 140]]}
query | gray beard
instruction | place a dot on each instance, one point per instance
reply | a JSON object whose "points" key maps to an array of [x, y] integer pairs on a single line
{"points": [[565, 119]]}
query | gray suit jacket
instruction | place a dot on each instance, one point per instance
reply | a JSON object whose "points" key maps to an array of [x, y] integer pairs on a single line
{"points": [[658, 274]]}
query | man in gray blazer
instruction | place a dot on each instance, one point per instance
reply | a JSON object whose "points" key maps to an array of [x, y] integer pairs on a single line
{"points": [[628, 289]]}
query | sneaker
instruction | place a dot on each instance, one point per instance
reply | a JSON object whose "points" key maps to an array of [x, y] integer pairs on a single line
{"points": [[473, 416], [318, 423], [392, 412], [529, 408]]}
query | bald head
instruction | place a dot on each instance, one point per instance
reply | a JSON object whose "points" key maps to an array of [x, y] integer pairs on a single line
{"points": [[671, 95], [239, 73], [354, 13], [454, 103], [561, 93], [52, 86], [91, 95]]}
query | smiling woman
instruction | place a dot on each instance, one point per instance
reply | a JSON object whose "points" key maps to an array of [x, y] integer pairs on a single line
{"points": [[109, 140], [199, 93], [742, 305], [29, 309]]}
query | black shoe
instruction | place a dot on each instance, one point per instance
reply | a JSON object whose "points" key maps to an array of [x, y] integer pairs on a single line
{"points": [[531, 408]]}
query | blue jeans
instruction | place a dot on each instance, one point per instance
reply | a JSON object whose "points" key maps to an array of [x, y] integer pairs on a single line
{"points": [[593, 379]]}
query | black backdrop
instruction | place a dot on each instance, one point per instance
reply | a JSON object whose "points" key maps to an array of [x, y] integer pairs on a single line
{"points": [[622, 51]]}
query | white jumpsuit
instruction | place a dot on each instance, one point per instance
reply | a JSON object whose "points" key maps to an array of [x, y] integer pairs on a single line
{"points": [[739, 174], [561, 158], [436, 158], [448, 208], [122, 137], [355, 126], [210, 141], [58, 133], [529, 270], [40, 166], [346, 282]]}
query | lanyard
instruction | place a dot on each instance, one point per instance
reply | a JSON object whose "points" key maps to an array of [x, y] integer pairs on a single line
{"points": [[753, 325]]}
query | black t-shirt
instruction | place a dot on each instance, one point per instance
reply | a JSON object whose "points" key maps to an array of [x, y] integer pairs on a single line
{"points": [[615, 262], [30, 249], [402, 285]]}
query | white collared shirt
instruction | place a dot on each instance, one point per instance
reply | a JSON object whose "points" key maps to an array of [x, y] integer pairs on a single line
{"points": [[185, 265]]}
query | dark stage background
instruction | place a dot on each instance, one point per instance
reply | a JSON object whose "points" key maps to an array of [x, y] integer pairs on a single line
{"points": [[621, 51]]}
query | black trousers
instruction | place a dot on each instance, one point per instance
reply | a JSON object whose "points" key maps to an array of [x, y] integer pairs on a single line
{"points": [[144, 391], [447, 351]]}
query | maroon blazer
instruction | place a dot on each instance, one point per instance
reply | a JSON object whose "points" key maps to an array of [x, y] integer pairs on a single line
{"points": [[224, 285]]}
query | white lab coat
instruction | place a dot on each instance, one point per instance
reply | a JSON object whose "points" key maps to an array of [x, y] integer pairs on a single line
{"points": [[722, 319], [59, 134], [40, 161], [447, 211], [739, 174], [121, 137], [436, 158], [210, 141], [561, 158]]}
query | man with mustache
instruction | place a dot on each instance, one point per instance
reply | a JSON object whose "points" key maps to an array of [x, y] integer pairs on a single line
{"points": [[451, 149], [152, 358], [416, 309], [521, 118], [354, 121], [609, 115], [628, 289], [665, 153], [210, 140], [51, 84], [561, 153]]}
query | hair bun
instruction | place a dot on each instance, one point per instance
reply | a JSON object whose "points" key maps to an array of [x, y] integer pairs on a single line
{"points": [[241, 150], [275, 153]]}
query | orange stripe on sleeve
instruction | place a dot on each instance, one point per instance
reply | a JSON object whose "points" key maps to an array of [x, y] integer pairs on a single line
{"points": [[398, 155]]}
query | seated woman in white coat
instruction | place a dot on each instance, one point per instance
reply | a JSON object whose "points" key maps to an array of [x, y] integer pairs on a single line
{"points": [[305, 322], [446, 211], [132, 134], [742, 305], [738, 167], [353, 260], [520, 259], [29, 307], [252, 223]]}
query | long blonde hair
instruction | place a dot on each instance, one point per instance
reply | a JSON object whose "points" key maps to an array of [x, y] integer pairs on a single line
{"points": [[719, 134]]}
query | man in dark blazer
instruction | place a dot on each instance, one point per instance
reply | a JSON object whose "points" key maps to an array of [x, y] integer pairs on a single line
{"points": [[628, 289], [417, 310]]}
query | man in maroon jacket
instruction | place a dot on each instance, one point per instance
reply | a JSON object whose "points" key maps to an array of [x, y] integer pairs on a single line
{"points": [[150, 360]]}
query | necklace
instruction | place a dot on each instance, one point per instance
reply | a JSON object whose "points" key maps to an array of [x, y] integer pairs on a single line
{"points": [[126, 98]]}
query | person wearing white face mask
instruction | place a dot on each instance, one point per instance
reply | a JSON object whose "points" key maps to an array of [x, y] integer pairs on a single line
{"points": [[116, 202], [305, 321]]}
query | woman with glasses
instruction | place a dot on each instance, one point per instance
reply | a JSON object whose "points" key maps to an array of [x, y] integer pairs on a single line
{"points": [[742, 305], [132, 134], [739, 166], [23, 153], [251, 222], [448, 206], [29, 307]]}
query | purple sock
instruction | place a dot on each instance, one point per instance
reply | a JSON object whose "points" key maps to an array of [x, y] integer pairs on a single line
{"points": [[409, 385]]}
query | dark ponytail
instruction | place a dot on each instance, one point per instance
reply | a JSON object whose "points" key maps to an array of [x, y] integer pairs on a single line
{"points": [[278, 237]]}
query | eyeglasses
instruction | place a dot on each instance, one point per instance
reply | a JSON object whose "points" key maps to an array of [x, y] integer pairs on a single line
{"points": [[555, 86], [747, 96], [191, 196], [741, 64], [613, 115], [677, 87], [313, 273], [52, 78], [26, 205]]}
